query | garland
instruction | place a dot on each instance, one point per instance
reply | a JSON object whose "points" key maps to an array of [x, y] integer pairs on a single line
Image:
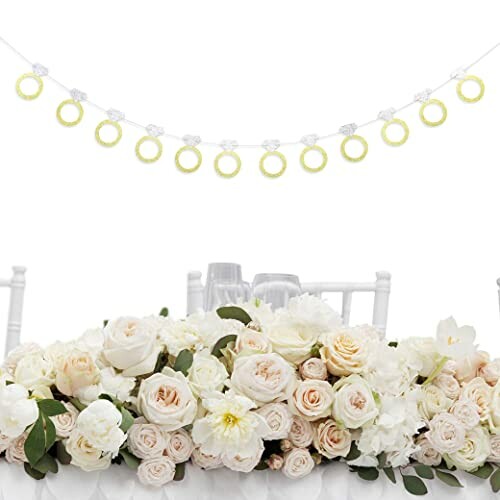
{"points": [[228, 148], [250, 389]]}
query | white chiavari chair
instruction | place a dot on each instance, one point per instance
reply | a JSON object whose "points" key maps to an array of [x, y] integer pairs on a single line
{"points": [[498, 283]]}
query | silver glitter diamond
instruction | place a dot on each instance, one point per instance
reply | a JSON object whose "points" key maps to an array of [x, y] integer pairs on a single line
{"points": [[78, 95], [115, 115], [423, 96], [229, 145], [40, 70], [191, 140], [154, 130], [271, 144], [348, 129], [386, 114], [310, 140], [459, 74]]}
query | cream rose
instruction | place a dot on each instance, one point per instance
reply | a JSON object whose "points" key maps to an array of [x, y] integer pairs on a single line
{"points": [[330, 440], [313, 368], [301, 432], [490, 372], [65, 422], [76, 371], [206, 374], [15, 452], [146, 440], [479, 392], [467, 412], [166, 399], [426, 454], [433, 401], [448, 384], [275, 462], [179, 446], [156, 471], [34, 370], [4, 442], [446, 433], [84, 455], [312, 399], [252, 342], [473, 453], [469, 367], [204, 461], [278, 418], [243, 463], [264, 378], [298, 463], [494, 449], [353, 404], [346, 350], [494, 414]]}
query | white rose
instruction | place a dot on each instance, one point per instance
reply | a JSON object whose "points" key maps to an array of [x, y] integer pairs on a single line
{"points": [[206, 373], [313, 368], [421, 354], [116, 385], [4, 442], [146, 440], [469, 367], [448, 384], [330, 440], [84, 455], [75, 371], [65, 422], [179, 446], [433, 401], [131, 345], [100, 424], [474, 452], [91, 341], [15, 452], [354, 404], [301, 433], [264, 378], [479, 392], [34, 370], [18, 353], [252, 342], [204, 461], [467, 412], [426, 454], [312, 399], [278, 418], [16, 411], [494, 414], [490, 372], [244, 463], [166, 399], [494, 449], [298, 463], [156, 471], [446, 433], [347, 350]]}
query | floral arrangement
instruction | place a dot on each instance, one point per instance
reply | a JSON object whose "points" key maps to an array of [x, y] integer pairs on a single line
{"points": [[247, 388]]}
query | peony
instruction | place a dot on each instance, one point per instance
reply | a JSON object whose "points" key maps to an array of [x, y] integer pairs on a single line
{"points": [[480, 393], [65, 422], [490, 372], [313, 368], [206, 374], [156, 471], [467, 412], [455, 342], [75, 370], [34, 370], [244, 463], [426, 454], [469, 367], [229, 429], [330, 440], [433, 401], [312, 399], [278, 418], [301, 432], [84, 455], [252, 342], [146, 440], [16, 411], [354, 404], [448, 384], [179, 446], [494, 449], [473, 453], [346, 350], [207, 462], [264, 378], [18, 353], [116, 385], [99, 424], [131, 345], [166, 399], [15, 452], [298, 463], [446, 433], [314, 311]]}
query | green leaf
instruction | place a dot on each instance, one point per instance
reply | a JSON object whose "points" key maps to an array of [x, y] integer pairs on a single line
{"points": [[183, 361], [233, 312], [262, 465], [382, 460], [51, 407], [222, 344], [354, 453], [35, 474], [47, 464], [180, 471], [164, 312], [368, 473], [414, 485], [127, 419], [392, 344], [448, 478], [105, 323], [131, 460], [50, 433], [424, 471], [34, 447], [495, 481], [77, 404], [62, 455], [483, 472], [389, 472]]}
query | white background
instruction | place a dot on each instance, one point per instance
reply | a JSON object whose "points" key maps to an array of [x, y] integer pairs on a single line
{"points": [[103, 234]]}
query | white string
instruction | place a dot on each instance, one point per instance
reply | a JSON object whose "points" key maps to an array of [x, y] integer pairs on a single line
{"points": [[247, 146]]}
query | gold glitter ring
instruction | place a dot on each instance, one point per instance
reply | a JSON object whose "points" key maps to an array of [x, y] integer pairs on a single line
{"points": [[178, 164], [470, 78], [359, 139], [154, 140], [433, 102], [230, 154], [31, 76], [77, 120], [266, 172], [400, 123], [113, 124], [321, 151]]}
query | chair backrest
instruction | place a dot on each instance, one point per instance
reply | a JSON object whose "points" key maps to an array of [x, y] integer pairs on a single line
{"points": [[498, 283], [16, 284]]}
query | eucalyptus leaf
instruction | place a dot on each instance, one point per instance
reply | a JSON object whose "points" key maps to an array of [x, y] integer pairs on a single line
{"points": [[424, 471], [354, 453], [233, 312], [495, 481], [35, 474], [414, 485], [448, 478], [47, 464], [62, 455], [50, 432], [51, 407], [180, 471], [368, 473], [127, 419], [131, 460], [483, 472], [222, 344], [34, 447], [389, 472], [183, 361], [164, 312]]}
